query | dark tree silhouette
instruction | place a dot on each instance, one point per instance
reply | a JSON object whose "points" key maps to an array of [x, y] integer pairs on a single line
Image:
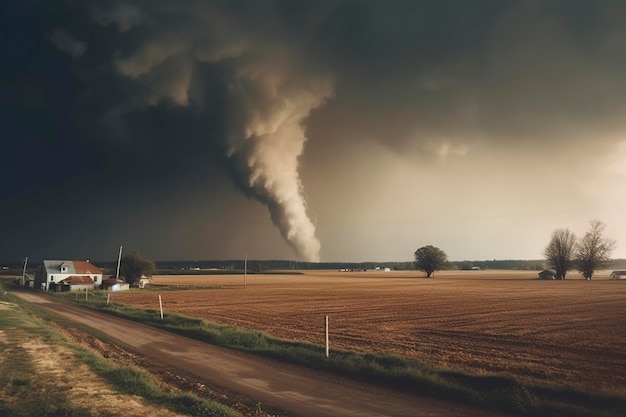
{"points": [[134, 266], [429, 259], [560, 252], [593, 250]]}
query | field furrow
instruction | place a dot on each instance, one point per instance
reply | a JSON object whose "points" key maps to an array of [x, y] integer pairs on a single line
{"points": [[570, 332]]}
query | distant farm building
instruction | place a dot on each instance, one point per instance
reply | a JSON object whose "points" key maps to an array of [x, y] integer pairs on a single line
{"points": [[547, 274], [26, 280], [618, 275], [112, 284], [67, 276], [29, 280]]}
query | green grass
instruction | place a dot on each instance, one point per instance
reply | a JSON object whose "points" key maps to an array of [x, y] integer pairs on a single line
{"points": [[134, 381], [499, 392], [32, 395], [29, 394]]}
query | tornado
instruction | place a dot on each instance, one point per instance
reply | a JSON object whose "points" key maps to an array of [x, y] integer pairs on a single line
{"points": [[266, 147], [268, 88]]}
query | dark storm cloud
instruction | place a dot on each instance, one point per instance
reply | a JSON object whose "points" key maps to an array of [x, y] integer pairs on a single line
{"points": [[267, 92], [469, 72], [160, 83], [65, 42], [152, 93]]}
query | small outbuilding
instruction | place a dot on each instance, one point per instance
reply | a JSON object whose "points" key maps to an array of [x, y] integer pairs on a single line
{"points": [[618, 275], [75, 283], [547, 274], [29, 280], [113, 285]]}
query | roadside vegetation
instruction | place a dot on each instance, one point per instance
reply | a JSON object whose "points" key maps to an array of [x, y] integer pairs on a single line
{"points": [[25, 392], [498, 392], [132, 380]]}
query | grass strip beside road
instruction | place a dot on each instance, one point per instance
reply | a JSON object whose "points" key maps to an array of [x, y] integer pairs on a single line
{"points": [[24, 394], [498, 392]]}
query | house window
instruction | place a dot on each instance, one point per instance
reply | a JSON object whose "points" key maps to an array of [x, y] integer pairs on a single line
{"points": [[51, 278]]}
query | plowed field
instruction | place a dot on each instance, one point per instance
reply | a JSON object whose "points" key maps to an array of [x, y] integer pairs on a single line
{"points": [[560, 332]]}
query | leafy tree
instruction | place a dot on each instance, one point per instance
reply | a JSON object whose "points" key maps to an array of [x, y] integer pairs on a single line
{"points": [[430, 258], [134, 266], [593, 250], [560, 251]]}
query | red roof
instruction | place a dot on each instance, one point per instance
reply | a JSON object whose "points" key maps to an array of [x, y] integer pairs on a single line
{"points": [[84, 267], [112, 281], [76, 280]]}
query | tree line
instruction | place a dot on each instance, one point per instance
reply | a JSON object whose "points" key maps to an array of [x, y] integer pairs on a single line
{"points": [[563, 253]]}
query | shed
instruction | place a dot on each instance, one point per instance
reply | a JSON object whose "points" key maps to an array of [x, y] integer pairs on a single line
{"points": [[75, 283], [115, 285], [618, 275], [546, 274], [29, 280]]}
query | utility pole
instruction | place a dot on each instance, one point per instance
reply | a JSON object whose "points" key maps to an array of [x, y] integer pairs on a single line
{"points": [[24, 272], [245, 269], [119, 259]]}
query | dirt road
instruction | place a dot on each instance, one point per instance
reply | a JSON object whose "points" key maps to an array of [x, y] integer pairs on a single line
{"points": [[298, 391]]}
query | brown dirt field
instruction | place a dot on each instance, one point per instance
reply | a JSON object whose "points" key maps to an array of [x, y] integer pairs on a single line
{"points": [[570, 332]]}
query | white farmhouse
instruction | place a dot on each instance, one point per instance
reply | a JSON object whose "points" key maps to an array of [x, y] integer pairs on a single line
{"points": [[68, 276]]}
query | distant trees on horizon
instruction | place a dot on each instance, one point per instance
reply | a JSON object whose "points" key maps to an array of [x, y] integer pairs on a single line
{"points": [[588, 254]]}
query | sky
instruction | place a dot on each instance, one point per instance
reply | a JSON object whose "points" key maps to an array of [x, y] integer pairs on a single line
{"points": [[311, 130]]}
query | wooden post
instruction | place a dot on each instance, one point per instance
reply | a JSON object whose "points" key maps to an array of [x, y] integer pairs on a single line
{"points": [[161, 306], [327, 347], [86, 291], [108, 298]]}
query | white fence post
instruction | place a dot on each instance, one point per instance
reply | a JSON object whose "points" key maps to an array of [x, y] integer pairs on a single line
{"points": [[327, 346], [161, 306]]}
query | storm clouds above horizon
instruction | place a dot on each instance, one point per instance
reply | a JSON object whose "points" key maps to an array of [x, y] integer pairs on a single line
{"points": [[332, 130]]}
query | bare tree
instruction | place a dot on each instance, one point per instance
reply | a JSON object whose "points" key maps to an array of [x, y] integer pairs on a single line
{"points": [[560, 251], [593, 250]]}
